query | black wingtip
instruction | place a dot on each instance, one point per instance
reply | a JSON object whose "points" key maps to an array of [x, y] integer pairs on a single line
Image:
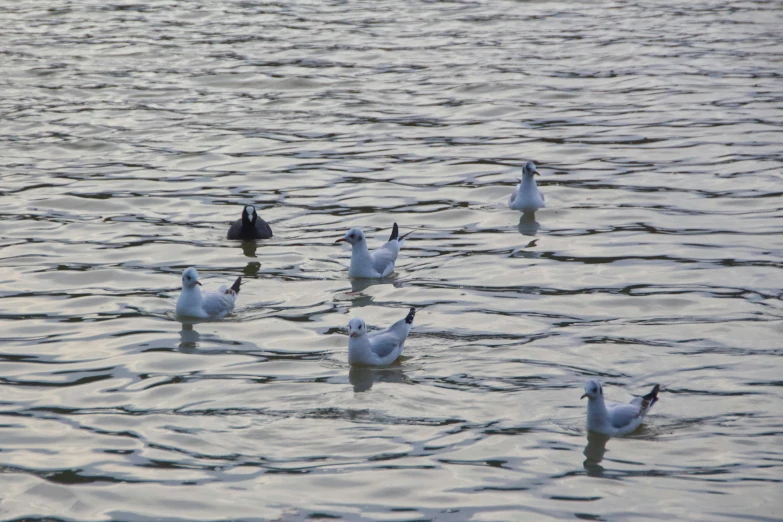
{"points": [[235, 286], [395, 232], [409, 318], [652, 397]]}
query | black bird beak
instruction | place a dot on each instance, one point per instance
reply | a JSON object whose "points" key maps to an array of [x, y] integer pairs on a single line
{"points": [[583, 396]]}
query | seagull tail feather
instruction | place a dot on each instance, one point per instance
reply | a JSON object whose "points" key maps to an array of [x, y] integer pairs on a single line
{"points": [[409, 318], [395, 232], [651, 398], [235, 286]]}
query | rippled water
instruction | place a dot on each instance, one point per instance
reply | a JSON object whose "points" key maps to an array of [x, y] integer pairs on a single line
{"points": [[134, 132]]}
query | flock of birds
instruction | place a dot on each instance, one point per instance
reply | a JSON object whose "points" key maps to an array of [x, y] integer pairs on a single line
{"points": [[384, 347]]}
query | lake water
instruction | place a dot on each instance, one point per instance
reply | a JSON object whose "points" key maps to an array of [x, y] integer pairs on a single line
{"points": [[133, 133]]}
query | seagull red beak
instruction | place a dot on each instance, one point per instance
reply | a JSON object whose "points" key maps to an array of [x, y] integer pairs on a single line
{"points": [[341, 239], [198, 283], [535, 173], [583, 396]]}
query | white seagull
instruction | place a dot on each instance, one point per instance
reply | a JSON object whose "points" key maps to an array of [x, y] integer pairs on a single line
{"points": [[379, 348], [193, 302], [378, 263], [526, 197], [612, 418]]}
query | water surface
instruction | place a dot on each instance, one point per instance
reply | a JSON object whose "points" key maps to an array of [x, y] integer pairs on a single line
{"points": [[133, 134]]}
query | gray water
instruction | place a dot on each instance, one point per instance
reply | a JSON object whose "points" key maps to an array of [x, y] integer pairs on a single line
{"points": [[133, 133]]}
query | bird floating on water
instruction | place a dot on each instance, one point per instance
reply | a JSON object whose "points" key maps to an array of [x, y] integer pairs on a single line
{"points": [[526, 197], [193, 302], [612, 418], [378, 263], [250, 226], [379, 348]]}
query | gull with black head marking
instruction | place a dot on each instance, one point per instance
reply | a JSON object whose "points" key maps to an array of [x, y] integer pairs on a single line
{"points": [[250, 226], [526, 197], [612, 418], [378, 348], [375, 264], [193, 302]]}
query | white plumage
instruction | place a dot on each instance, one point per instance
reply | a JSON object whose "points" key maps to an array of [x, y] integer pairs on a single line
{"points": [[379, 348], [375, 264], [526, 197], [193, 302], [612, 418]]}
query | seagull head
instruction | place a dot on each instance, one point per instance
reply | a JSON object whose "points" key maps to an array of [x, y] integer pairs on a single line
{"points": [[353, 236], [592, 390], [529, 170], [249, 215], [190, 278], [356, 327]]}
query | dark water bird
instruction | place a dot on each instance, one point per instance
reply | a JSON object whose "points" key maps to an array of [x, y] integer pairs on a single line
{"points": [[250, 226]]}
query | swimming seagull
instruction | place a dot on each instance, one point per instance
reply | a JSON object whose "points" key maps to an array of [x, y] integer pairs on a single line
{"points": [[612, 418], [526, 197], [193, 302], [379, 348], [378, 263], [250, 226]]}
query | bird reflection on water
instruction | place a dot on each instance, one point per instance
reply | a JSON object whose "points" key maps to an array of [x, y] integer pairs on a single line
{"points": [[251, 269], [361, 284], [528, 226], [362, 378], [358, 298], [188, 337], [594, 451], [249, 248]]}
